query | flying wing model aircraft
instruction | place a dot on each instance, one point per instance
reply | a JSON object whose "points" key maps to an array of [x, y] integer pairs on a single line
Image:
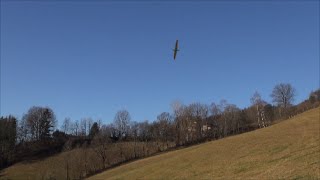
{"points": [[175, 50]]}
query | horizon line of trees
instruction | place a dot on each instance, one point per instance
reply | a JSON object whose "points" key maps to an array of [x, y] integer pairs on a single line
{"points": [[35, 133]]}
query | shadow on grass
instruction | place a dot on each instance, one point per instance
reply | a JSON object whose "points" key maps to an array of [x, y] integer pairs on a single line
{"points": [[2, 174]]}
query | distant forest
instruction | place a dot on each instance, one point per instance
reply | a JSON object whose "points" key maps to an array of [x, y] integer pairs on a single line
{"points": [[36, 135]]}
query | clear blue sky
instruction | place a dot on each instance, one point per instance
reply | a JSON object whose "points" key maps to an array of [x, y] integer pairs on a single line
{"points": [[93, 59]]}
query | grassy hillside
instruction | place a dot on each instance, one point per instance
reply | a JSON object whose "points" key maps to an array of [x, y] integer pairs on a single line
{"points": [[74, 163], [288, 150]]}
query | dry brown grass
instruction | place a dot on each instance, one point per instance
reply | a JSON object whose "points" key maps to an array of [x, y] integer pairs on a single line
{"points": [[288, 150], [79, 161]]}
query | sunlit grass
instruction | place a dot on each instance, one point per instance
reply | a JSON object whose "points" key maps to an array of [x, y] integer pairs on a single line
{"points": [[288, 150]]}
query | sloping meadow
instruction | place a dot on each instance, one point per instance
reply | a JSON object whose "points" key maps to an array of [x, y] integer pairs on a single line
{"points": [[79, 162], [288, 150]]}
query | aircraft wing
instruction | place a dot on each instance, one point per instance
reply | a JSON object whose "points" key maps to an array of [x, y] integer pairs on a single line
{"points": [[175, 54], [175, 50], [176, 47]]}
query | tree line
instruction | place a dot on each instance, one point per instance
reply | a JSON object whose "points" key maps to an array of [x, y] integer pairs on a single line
{"points": [[37, 135]]}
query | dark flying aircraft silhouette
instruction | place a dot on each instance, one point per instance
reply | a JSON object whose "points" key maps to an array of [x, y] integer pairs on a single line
{"points": [[175, 50]]}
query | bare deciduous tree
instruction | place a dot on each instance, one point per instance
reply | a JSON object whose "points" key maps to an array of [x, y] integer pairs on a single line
{"points": [[100, 144], [214, 109], [259, 105], [83, 126], [65, 127], [23, 131], [283, 95], [89, 124], [122, 122], [164, 120], [199, 114], [40, 122]]}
